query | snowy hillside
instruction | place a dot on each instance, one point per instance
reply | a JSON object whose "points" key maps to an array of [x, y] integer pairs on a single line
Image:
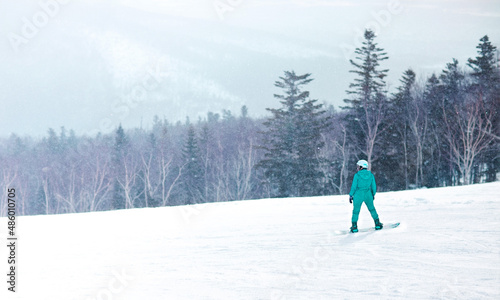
{"points": [[447, 247], [90, 65], [127, 64]]}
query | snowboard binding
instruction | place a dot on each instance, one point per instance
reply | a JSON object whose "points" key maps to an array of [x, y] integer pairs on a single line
{"points": [[354, 227]]}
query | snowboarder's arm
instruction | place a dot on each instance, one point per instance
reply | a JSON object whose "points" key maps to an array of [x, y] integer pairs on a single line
{"points": [[374, 186], [354, 185]]}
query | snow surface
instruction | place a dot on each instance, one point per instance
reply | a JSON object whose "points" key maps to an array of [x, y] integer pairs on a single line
{"points": [[447, 247]]}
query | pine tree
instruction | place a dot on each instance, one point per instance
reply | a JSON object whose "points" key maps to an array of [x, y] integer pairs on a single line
{"points": [[454, 86], [207, 144], [438, 173], [118, 163], [453, 90], [293, 139], [398, 137], [53, 142], [193, 171], [365, 118], [38, 204], [484, 66]]}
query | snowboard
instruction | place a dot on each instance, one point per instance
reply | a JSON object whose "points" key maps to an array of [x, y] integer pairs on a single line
{"points": [[386, 226]]}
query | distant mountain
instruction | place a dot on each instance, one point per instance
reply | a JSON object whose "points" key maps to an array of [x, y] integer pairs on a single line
{"points": [[91, 65], [96, 65]]}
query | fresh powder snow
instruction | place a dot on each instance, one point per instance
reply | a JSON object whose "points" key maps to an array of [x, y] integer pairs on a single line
{"points": [[447, 247]]}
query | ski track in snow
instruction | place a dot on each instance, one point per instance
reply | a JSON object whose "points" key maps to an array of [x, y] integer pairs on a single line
{"points": [[447, 247]]}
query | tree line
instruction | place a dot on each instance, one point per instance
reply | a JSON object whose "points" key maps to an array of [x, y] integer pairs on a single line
{"points": [[441, 131]]}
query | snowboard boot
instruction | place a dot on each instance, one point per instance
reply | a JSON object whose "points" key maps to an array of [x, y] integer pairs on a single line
{"points": [[354, 227], [378, 225]]}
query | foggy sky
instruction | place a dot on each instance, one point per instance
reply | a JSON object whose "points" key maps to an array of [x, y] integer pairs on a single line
{"points": [[91, 65]]}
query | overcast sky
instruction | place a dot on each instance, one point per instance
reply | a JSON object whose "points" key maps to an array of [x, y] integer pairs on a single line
{"points": [[91, 65]]}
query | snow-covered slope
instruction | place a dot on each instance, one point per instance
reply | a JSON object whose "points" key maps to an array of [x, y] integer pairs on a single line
{"points": [[447, 247]]}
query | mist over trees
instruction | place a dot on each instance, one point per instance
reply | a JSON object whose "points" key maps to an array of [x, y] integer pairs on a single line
{"points": [[441, 131]]}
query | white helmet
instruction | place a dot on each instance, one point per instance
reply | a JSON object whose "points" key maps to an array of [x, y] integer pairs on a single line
{"points": [[362, 163]]}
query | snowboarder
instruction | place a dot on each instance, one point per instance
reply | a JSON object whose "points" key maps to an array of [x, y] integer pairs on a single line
{"points": [[363, 189]]}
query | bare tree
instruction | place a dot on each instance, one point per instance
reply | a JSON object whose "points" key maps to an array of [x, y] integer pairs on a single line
{"points": [[468, 134], [373, 127], [243, 167], [166, 192], [98, 182], [66, 190], [128, 181], [418, 123], [7, 179], [346, 153], [338, 152]]}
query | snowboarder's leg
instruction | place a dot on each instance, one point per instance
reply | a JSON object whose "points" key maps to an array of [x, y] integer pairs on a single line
{"points": [[356, 208], [371, 208]]}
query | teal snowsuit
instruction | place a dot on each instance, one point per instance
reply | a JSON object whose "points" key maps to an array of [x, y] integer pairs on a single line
{"points": [[363, 189]]}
